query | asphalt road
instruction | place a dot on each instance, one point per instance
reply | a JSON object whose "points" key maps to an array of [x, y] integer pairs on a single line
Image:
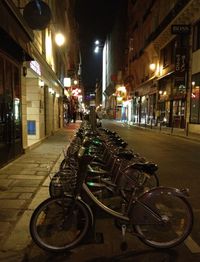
{"points": [[178, 160]]}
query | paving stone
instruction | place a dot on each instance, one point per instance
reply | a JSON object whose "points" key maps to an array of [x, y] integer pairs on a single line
{"points": [[8, 195], [3, 176], [9, 214], [41, 195], [19, 181], [13, 203], [4, 226], [23, 189], [42, 173], [26, 177], [20, 236], [11, 257], [23, 166], [5, 184], [25, 196], [26, 171], [26, 182], [4, 229]]}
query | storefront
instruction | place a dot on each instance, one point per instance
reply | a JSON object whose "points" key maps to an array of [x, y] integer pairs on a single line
{"points": [[10, 109], [14, 42], [195, 100]]}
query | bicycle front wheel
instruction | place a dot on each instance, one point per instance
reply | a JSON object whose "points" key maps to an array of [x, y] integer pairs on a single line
{"points": [[58, 224], [162, 219]]}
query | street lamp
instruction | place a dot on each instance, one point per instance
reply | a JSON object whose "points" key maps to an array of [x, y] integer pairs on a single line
{"points": [[60, 39], [96, 50], [98, 45]]}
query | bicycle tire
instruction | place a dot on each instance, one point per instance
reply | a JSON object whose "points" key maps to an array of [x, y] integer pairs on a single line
{"points": [[176, 214], [59, 224]]}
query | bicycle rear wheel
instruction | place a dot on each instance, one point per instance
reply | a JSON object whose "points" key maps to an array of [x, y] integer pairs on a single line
{"points": [[58, 224], [169, 224]]}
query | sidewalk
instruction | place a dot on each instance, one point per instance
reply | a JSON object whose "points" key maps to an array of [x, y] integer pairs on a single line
{"points": [[23, 185], [169, 131]]}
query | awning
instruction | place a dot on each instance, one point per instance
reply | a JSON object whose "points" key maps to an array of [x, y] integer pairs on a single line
{"points": [[12, 22], [164, 76]]}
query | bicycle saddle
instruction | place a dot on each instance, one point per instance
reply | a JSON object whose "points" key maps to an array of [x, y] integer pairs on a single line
{"points": [[127, 154], [147, 167]]}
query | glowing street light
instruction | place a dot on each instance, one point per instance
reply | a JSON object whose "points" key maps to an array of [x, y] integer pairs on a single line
{"points": [[96, 50], [98, 45], [60, 39]]}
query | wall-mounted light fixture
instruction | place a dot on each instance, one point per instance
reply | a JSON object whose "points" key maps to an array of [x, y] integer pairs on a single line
{"points": [[76, 82], [41, 83], [60, 39], [152, 66], [24, 70], [51, 91]]}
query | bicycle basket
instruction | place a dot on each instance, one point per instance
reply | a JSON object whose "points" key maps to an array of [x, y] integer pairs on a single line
{"points": [[63, 182]]}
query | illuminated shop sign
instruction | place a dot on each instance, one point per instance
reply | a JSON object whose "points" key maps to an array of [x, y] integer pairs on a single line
{"points": [[34, 65]]}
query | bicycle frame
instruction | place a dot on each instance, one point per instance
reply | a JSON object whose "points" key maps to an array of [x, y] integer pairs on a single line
{"points": [[120, 215], [104, 207]]}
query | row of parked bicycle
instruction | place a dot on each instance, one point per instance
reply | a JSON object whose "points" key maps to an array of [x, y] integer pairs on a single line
{"points": [[96, 168]]}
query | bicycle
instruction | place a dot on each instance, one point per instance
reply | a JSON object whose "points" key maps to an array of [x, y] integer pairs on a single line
{"points": [[161, 217]]}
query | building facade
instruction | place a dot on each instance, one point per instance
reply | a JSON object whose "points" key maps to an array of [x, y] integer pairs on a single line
{"points": [[162, 68], [32, 72], [113, 94]]}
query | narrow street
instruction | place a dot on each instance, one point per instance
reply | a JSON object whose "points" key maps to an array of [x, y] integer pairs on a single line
{"points": [[174, 168]]}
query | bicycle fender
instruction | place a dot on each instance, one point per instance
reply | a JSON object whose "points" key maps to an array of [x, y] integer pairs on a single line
{"points": [[140, 214], [89, 210], [166, 190]]}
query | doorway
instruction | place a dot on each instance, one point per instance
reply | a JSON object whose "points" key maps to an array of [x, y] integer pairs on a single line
{"points": [[10, 110]]}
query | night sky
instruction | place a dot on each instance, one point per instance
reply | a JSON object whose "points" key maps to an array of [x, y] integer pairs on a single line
{"points": [[95, 19]]}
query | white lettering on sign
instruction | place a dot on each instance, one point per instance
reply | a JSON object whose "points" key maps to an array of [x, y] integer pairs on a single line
{"points": [[180, 29], [180, 63], [34, 65]]}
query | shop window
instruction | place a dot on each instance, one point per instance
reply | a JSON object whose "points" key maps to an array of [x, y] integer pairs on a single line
{"points": [[31, 124], [196, 36], [2, 103], [195, 100]]}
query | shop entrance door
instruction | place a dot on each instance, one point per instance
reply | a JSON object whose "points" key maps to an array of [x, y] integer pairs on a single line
{"points": [[10, 111]]}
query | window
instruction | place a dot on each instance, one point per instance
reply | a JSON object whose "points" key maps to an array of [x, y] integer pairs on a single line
{"points": [[196, 36], [1, 91], [167, 54], [195, 100]]}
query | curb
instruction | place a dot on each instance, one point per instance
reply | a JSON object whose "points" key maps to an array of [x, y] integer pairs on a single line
{"points": [[189, 137]]}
